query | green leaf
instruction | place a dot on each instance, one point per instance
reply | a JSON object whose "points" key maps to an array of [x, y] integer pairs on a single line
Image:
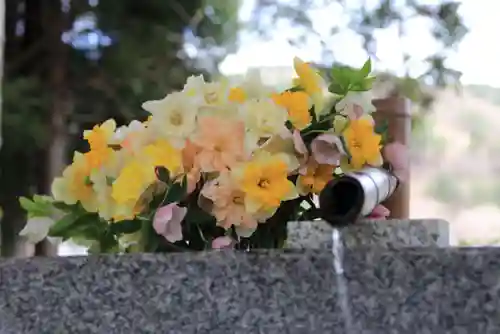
{"points": [[75, 224], [357, 87], [310, 214], [108, 243], [150, 240], [110, 180], [27, 204], [368, 83], [36, 209], [125, 227], [163, 174], [64, 207], [366, 69], [345, 79], [336, 88], [62, 227], [195, 215], [42, 199], [176, 192]]}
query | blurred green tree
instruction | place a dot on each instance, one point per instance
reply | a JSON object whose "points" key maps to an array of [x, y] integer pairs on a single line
{"points": [[70, 64]]}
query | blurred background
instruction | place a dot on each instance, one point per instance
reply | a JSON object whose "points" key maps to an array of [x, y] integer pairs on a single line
{"points": [[68, 64]]}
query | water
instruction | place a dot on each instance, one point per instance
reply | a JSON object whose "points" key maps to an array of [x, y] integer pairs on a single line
{"points": [[342, 288]]}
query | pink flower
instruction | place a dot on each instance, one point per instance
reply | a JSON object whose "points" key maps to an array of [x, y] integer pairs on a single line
{"points": [[301, 150], [379, 212], [167, 221], [327, 149], [298, 143], [222, 242], [397, 155]]}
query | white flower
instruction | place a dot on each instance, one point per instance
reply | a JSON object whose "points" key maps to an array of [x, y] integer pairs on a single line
{"points": [[174, 117], [124, 131], [37, 228], [253, 86], [207, 94], [263, 118], [356, 104], [132, 137]]}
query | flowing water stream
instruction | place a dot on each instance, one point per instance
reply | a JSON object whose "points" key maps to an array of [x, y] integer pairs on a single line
{"points": [[342, 287]]}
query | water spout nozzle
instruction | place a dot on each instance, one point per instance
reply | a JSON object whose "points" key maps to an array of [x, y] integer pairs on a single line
{"points": [[355, 194]]}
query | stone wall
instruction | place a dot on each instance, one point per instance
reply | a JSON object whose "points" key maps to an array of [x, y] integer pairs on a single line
{"points": [[394, 233], [407, 290]]}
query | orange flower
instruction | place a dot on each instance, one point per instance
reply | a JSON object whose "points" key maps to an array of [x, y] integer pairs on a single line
{"points": [[315, 178], [221, 143], [297, 104]]}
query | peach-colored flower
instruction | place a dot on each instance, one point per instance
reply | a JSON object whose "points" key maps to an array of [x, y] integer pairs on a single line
{"points": [[167, 221], [222, 242], [221, 143], [191, 169], [227, 203], [189, 153], [327, 149], [397, 155]]}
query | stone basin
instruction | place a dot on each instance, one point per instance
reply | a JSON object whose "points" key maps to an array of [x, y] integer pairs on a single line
{"points": [[382, 290]]}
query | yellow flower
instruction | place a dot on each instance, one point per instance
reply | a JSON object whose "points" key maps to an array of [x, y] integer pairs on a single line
{"points": [[315, 178], [162, 154], [312, 83], [297, 105], [102, 179], [174, 117], [363, 143], [100, 135], [132, 182], [265, 183], [98, 139], [75, 185], [264, 118], [237, 94], [136, 183]]}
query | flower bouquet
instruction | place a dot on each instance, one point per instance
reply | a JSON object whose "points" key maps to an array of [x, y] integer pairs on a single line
{"points": [[214, 165]]}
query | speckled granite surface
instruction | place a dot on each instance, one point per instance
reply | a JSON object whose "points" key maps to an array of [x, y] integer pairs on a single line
{"points": [[389, 233], [424, 290]]}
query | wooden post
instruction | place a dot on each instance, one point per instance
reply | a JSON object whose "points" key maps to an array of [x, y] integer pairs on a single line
{"points": [[396, 111]]}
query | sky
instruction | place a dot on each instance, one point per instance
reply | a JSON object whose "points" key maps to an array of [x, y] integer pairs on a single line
{"points": [[477, 56]]}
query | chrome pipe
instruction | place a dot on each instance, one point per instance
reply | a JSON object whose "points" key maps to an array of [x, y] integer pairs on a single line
{"points": [[353, 195]]}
